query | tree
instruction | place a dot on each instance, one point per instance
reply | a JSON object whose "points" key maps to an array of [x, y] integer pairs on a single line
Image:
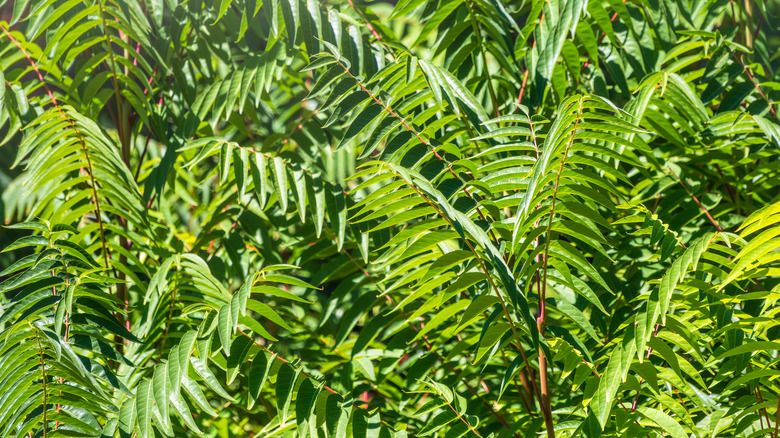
{"points": [[434, 218]]}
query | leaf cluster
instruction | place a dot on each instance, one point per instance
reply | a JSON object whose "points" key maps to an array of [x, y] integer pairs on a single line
{"points": [[491, 218]]}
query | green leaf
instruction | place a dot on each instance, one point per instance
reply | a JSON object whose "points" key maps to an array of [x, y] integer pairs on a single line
{"points": [[161, 395], [184, 413], [178, 362], [239, 350], [455, 92], [749, 348], [203, 371], [258, 373], [365, 425], [197, 395], [364, 118], [225, 159], [578, 317], [316, 192], [143, 406], [285, 381], [602, 402], [300, 193], [364, 365], [491, 336], [665, 422], [337, 212], [241, 169], [280, 181], [442, 12], [268, 313], [225, 327], [258, 168], [304, 405]]}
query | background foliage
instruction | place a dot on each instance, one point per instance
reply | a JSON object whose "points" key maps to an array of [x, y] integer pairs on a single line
{"points": [[433, 218]]}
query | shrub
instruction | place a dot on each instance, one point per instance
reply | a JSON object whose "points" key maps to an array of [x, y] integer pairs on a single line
{"points": [[434, 218]]}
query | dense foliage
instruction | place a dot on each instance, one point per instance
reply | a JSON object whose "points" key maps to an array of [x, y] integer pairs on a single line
{"points": [[448, 218]]}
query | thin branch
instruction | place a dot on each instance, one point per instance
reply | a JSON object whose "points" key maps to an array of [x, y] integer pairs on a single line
{"points": [[758, 88], [698, 202], [283, 360], [32, 63]]}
